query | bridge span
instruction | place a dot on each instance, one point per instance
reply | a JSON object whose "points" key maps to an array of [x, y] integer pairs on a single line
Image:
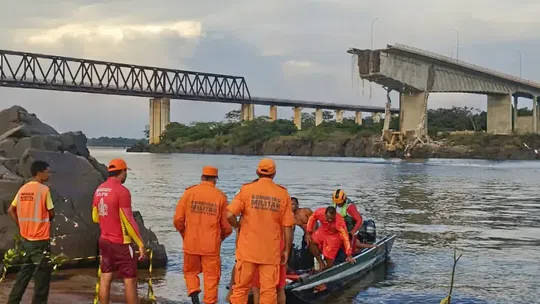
{"points": [[414, 73], [57, 73]]}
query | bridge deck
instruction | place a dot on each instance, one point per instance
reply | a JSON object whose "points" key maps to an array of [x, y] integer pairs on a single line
{"points": [[408, 69], [58, 73]]}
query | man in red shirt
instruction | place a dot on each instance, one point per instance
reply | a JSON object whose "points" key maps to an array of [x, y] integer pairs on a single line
{"points": [[328, 237], [112, 210]]}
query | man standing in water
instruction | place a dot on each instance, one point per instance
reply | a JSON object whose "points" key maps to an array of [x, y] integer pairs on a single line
{"points": [[266, 219], [33, 210], [201, 219], [112, 210]]}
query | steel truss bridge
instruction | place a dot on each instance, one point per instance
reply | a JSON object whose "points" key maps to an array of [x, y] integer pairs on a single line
{"points": [[57, 73]]}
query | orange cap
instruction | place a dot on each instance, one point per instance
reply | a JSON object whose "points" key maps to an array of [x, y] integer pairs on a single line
{"points": [[210, 171], [117, 164], [266, 166]]}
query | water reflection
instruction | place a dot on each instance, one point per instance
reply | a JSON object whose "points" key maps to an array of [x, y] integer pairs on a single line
{"points": [[490, 211]]}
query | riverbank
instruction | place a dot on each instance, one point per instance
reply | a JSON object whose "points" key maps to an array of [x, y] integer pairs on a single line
{"points": [[67, 286], [341, 144]]}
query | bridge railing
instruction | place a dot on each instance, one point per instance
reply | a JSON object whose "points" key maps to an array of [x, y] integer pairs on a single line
{"points": [[38, 71]]}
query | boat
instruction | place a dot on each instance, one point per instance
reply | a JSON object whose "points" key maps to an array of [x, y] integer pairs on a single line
{"points": [[316, 287]]}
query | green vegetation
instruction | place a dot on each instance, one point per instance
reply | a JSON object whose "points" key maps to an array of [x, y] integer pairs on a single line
{"points": [[261, 129], [117, 142], [263, 136]]}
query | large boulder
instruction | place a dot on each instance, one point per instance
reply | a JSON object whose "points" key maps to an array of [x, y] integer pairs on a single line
{"points": [[31, 125], [74, 177]]}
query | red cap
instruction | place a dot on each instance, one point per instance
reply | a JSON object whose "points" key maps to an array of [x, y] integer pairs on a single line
{"points": [[210, 171], [117, 164], [266, 166]]}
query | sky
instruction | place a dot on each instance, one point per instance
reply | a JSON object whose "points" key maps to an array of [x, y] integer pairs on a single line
{"points": [[284, 49]]}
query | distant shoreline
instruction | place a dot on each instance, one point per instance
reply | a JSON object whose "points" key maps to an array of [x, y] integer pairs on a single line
{"points": [[471, 146], [108, 147]]}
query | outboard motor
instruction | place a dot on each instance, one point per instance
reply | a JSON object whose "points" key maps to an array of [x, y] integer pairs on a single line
{"points": [[368, 232]]}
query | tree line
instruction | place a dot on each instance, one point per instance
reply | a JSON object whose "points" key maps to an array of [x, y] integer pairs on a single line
{"points": [[117, 142], [233, 131]]}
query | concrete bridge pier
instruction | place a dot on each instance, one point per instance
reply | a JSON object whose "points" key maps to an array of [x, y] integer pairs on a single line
{"points": [[339, 116], [160, 117], [411, 107], [358, 118], [318, 117], [499, 114], [535, 114], [515, 115], [247, 112], [526, 124], [376, 117], [297, 117], [273, 113]]}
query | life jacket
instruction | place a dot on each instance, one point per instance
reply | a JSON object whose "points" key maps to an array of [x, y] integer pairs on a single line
{"points": [[349, 220], [32, 212]]}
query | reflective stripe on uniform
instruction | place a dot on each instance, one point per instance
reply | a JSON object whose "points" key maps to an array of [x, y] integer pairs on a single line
{"points": [[37, 208]]}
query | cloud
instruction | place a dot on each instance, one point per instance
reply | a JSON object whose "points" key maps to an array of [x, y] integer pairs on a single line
{"points": [[286, 49], [115, 33]]}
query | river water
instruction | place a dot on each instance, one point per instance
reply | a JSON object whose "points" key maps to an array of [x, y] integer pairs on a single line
{"points": [[489, 211]]}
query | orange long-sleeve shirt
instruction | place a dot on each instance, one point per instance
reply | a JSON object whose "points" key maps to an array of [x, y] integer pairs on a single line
{"points": [[265, 208], [338, 226], [201, 219]]}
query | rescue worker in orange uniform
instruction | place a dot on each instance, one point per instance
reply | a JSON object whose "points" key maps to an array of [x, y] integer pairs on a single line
{"points": [[33, 210], [201, 219], [111, 208], [328, 237], [266, 217], [256, 285]]}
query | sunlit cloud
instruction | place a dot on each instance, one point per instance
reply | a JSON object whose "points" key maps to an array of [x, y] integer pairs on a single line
{"points": [[114, 33]]}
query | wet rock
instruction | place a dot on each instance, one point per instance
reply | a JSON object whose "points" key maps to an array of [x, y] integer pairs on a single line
{"points": [[287, 146], [14, 132], [151, 242], [18, 116], [74, 177], [333, 146], [8, 229], [9, 163], [7, 146], [139, 147], [8, 190], [75, 142], [41, 142], [100, 167]]}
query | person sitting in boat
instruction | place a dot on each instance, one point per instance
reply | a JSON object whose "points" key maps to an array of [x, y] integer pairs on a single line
{"points": [[328, 237], [347, 209], [301, 215], [300, 258]]}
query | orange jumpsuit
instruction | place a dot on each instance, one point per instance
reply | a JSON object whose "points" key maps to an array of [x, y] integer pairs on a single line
{"points": [[329, 236], [266, 209], [201, 219]]}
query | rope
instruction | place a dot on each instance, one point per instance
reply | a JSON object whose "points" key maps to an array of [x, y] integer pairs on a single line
{"points": [[96, 296], [150, 295], [58, 260]]}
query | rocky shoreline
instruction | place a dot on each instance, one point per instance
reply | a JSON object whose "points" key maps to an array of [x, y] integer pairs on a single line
{"points": [[75, 175], [466, 146]]}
